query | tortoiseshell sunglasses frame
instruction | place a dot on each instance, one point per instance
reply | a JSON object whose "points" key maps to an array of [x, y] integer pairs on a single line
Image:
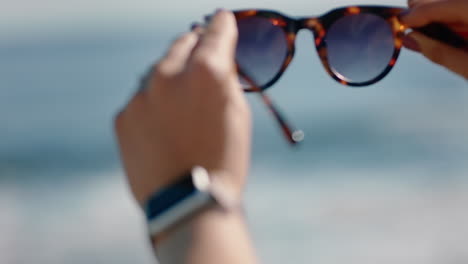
{"points": [[319, 26]]}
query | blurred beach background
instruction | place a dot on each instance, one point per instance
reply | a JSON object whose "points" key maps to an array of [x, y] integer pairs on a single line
{"points": [[380, 178]]}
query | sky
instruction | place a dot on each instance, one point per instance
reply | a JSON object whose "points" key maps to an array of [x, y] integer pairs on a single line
{"points": [[45, 16]]}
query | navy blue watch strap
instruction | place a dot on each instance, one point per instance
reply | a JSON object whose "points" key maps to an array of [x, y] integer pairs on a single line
{"points": [[179, 200], [166, 198]]}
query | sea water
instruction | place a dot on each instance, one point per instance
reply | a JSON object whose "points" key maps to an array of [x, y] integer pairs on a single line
{"points": [[380, 178]]}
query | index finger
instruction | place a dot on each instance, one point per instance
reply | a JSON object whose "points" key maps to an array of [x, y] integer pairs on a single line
{"points": [[447, 12], [413, 3], [219, 39]]}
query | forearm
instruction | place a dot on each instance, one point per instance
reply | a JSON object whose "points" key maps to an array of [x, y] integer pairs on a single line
{"points": [[212, 237], [196, 84]]}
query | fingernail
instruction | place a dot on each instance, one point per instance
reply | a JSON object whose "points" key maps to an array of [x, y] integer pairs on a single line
{"points": [[411, 44], [194, 26], [208, 19], [404, 14], [219, 10]]}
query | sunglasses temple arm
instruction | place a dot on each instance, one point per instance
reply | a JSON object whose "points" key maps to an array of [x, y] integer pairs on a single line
{"points": [[293, 137]]}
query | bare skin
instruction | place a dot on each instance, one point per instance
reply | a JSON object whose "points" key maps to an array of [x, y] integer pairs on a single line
{"points": [[193, 112], [450, 12]]}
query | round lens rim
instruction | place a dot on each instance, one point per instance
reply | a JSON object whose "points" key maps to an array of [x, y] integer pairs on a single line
{"points": [[282, 22], [397, 38]]}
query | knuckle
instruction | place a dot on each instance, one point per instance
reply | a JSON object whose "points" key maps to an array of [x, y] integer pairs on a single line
{"points": [[242, 110], [182, 39], [180, 45], [436, 54], [204, 63], [234, 101], [163, 71], [137, 104], [241, 105], [239, 111], [138, 100], [210, 67], [119, 121]]}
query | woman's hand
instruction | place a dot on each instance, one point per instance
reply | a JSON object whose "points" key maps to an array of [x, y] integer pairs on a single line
{"points": [[453, 13], [193, 112]]}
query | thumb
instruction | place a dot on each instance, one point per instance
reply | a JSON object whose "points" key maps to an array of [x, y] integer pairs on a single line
{"points": [[452, 58], [224, 26], [219, 39]]}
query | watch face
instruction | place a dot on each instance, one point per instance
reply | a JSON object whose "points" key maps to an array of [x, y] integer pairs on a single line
{"points": [[170, 196]]}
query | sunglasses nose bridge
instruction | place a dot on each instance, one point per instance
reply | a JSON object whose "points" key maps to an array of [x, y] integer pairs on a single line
{"points": [[308, 23], [315, 26]]}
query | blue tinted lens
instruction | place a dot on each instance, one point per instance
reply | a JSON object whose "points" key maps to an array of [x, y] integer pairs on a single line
{"points": [[261, 50], [359, 47]]}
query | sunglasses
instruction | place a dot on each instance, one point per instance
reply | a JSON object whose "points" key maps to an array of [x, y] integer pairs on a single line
{"points": [[357, 45]]}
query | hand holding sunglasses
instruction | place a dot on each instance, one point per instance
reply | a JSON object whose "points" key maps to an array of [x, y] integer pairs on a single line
{"points": [[358, 46], [454, 14]]}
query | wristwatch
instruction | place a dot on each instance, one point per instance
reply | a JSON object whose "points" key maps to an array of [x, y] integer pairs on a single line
{"points": [[195, 191]]}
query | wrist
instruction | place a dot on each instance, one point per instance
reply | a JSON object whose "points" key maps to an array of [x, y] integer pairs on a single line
{"points": [[198, 223], [154, 181], [194, 192], [162, 177], [212, 236]]}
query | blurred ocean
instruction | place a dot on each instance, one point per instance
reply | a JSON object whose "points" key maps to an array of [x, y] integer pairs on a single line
{"points": [[380, 178]]}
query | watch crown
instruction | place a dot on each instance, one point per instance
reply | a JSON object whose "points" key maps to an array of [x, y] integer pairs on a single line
{"points": [[201, 179]]}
